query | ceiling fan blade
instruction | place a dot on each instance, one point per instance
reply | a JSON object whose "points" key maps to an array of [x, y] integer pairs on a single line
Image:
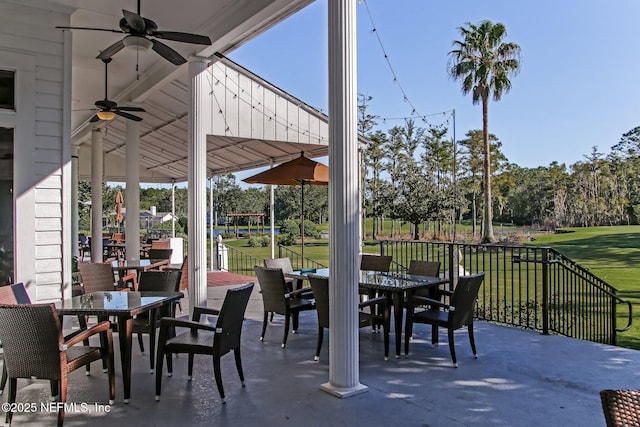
{"points": [[139, 109], [135, 21], [111, 50], [168, 53], [94, 119], [127, 115], [91, 29], [182, 37]]}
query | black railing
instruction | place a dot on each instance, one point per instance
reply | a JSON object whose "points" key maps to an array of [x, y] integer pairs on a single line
{"points": [[298, 262], [237, 261], [525, 286]]}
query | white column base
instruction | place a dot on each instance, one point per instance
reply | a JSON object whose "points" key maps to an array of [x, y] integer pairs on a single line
{"points": [[344, 392]]}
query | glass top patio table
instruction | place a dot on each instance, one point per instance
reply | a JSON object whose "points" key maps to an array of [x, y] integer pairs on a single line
{"points": [[389, 284], [123, 305]]}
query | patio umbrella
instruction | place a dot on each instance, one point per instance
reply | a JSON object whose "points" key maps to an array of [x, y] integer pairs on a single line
{"points": [[118, 207], [300, 171]]}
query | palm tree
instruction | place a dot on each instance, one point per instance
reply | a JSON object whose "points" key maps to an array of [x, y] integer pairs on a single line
{"points": [[483, 62]]}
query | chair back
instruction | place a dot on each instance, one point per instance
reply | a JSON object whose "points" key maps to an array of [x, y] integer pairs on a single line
{"points": [[117, 237], [464, 300], [370, 262], [424, 268], [159, 281], [160, 253], [621, 407], [14, 294], [320, 288], [160, 244], [184, 277], [273, 288], [83, 239], [97, 276], [230, 319], [31, 337], [282, 263]]}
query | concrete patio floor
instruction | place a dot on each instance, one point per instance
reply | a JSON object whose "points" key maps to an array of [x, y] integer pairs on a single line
{"points": [[521, 378]]}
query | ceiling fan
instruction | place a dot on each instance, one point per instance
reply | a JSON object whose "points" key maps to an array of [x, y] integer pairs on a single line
{"points": [[138, 29], [109, 109]]}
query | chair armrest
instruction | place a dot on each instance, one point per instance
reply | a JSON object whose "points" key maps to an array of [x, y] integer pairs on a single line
{"points": [[419, 300], [373, 301], [131, 277], [85, 334], [167, 322], [198, 311], [297, 292], [445, 292]]}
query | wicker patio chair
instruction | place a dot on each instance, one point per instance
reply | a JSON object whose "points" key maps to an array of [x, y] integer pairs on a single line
{"points": [[184, 278], [98, 276], [10, 295], [320, 286], [370, 262], [215, 340], [35, 348], [148, 322], [160, 253], [621, 407], [426, 268], [451, 316], [277, 298]]}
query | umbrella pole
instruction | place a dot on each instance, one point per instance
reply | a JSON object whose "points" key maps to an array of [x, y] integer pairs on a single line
{"points": [[302, 224]]}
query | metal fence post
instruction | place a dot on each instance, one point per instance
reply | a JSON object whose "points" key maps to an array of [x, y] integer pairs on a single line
{"points": [[545, 291]]}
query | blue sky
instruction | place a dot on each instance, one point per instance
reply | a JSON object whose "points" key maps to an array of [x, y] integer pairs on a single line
{"points": [[578, 86]]}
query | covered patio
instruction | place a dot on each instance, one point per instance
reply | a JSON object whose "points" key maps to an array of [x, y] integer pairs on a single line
{"points": [[520, 378]]}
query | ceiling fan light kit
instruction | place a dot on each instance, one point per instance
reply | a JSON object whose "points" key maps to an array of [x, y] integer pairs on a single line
{"points": [[106, 115], [137, 43]]}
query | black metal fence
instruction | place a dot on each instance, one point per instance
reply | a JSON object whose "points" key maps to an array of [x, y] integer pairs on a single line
{"points": [[525, 286], [298, 262]]}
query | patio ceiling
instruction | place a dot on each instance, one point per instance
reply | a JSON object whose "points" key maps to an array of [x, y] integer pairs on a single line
{"points": [[149, 81]]}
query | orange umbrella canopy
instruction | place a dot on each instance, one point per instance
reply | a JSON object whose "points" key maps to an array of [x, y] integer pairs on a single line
{"points": [[301, 170], [119, 203]]}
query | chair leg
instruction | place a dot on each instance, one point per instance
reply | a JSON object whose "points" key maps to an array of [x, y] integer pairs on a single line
{"points": [[287, 319], [452, 348], [408, 331], [264, 325], [140, 343], [434, 335], [63, 399], [296, 321], [111, 367], [13, 385], [472, 340], [218, 374], [236, 353], [386, 326], [54, 389], [190, 367], [3, 381], [152, 346], [159, 362], [319, 344]]}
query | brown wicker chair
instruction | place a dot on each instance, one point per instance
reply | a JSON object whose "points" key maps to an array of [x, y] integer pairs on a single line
{"points": [[10, 295], [451, 316], [184, 278], [277, 298], [215, 340], [320, 286], [160, 253], [370, 262], [426, 268], [98, 276], [285, 265], [621, 407], [148, 322], [35, 348]]}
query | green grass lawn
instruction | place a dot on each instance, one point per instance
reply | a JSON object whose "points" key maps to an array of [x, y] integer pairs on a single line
{"points": [[611, 253]]}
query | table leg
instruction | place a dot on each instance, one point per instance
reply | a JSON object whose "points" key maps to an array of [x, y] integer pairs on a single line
{"points": [[125, 332], [398, 310]]}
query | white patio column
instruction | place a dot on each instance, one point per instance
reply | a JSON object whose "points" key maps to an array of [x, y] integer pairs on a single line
{"points": [[272, 217], [212, 264], [173, 208], [97, 171], [74, 201], [197, 154], [344, 205], [132, 191]]}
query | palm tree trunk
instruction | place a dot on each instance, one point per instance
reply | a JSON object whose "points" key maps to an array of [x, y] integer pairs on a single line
{"points": [[487, 228]]}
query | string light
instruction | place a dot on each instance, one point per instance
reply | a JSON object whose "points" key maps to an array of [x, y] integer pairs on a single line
{"points": [[388, 61]]}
